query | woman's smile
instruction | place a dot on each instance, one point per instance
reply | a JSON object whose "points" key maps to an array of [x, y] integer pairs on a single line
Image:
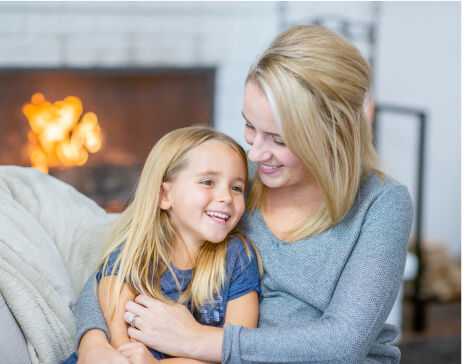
{"points": [[264, 168], [277, 164]]}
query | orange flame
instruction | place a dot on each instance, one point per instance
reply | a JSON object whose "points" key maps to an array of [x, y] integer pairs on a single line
{"points": [[58, 135]]}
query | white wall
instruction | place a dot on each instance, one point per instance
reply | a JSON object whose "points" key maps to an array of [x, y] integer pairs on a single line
{"points": [[418, 65]]}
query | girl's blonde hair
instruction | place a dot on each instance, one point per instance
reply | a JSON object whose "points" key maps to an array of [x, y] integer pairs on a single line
{"points": [[146, 231], [316, 83]]}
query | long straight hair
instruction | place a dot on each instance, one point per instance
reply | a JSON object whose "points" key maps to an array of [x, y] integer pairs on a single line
{"points": [[316, 83], [146, 232]]}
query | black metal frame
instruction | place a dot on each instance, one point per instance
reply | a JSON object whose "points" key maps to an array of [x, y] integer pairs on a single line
{"points": [[419, 303]]}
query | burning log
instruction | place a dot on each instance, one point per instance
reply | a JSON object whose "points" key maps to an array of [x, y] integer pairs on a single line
{"points": [[59, 136]]}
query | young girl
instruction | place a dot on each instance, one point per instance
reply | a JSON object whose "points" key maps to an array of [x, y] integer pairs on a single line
{"points": [[175, 242]]}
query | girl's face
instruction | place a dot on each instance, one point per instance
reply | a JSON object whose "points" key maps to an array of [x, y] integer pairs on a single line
{"points": [[277, 165], [206, 200]]}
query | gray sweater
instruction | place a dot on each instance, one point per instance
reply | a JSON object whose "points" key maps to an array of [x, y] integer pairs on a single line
{"points": [[324, 299]]}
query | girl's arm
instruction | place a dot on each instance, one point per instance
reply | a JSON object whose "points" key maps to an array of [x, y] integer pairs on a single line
{"points": [[92, 336], [96, 349], [243, 311], [134, 352], [240, 311], [115, 323], [92, 332]]}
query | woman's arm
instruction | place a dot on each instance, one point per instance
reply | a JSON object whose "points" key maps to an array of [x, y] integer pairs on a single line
{"points": [[89, 317], [92, 337], [360, 304]]}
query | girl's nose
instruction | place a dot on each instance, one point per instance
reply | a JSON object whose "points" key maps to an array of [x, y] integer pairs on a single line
{"points": [[259, 151], [224, 194]]}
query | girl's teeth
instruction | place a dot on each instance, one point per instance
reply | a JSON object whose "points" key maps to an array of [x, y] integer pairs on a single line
{"points": [[218, 214]]}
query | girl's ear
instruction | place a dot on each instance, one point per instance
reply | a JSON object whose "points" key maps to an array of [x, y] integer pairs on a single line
{"points": [[164, 199]]}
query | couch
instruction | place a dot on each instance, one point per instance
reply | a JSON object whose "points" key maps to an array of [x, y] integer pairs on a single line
{"points": [[50, 238]]}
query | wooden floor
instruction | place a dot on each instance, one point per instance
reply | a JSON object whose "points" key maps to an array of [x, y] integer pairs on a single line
{"points": [[442, 319], [440, 342]]}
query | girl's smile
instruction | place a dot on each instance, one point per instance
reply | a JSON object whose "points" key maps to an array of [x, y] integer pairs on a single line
{"points": [[221, 217]]}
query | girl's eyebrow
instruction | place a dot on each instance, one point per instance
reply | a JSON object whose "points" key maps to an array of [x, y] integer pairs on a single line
{"points": [[213, 173], [208, 173], [266, 132]]}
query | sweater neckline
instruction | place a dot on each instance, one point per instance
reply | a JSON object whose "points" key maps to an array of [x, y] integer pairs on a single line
{"points": [[310, 239], [275, 238]]}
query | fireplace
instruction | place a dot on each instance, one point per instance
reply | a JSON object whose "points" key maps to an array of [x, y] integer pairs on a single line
{"points": [[134, 108]]}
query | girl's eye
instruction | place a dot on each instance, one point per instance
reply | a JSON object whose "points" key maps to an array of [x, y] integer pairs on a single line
{"points": [[237, 188], [207, 182]]}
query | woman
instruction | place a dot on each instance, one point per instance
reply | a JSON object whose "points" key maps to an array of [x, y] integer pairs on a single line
{"points": [[331, 229]]}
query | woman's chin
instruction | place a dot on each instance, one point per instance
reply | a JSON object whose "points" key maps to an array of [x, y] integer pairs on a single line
{"points": [[270, 181]]}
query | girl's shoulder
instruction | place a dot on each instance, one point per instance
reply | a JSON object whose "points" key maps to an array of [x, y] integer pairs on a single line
{"points": [[110, 264], [239, 248], [242, 267]]}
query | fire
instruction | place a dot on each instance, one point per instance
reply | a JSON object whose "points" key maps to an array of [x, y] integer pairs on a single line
{"points": [[59, 136]]}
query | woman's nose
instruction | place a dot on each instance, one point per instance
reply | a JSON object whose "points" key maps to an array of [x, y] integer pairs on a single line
{"points": [[259, 151]]}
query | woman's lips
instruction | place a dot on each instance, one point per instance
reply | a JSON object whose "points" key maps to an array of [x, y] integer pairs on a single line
{"points": [[266, 169]]}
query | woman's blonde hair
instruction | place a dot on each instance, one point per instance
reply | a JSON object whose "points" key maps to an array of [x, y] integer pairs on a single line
{"points": [[146, 232], [316, 83]]}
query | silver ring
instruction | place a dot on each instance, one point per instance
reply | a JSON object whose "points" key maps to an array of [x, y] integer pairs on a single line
{"points": [[131, 319]]}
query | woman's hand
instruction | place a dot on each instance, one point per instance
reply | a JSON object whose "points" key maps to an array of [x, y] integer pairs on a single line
{"points": [[137, 353], [171, 329], [168, 328], [94, 348]]}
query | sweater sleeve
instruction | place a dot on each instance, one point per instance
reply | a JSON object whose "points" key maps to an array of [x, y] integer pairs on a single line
{"points": [[88, 312], [360, 304]]}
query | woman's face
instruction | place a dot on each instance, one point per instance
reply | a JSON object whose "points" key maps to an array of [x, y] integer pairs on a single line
{"points": [[277, 165]]}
